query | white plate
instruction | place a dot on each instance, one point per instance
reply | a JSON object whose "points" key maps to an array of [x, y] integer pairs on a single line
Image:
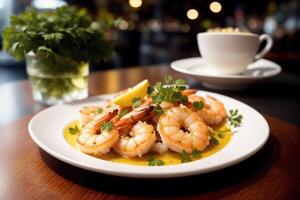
{"points": [[196, 69], [46, 130]]}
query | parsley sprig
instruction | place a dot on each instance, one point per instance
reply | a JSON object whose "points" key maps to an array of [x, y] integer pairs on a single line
{"points": [[221, 133], [196, 153], [169, 91], [152, 161], [123, 113], [198, 105], [136, 102], [74, 130], [107, 126], [99, 110], [185, 157], [235, 119], [214, 141]]}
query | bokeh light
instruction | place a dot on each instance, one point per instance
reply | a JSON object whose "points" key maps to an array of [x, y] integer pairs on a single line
{"points": [[215, 7], [192, 14], [123, 25], [135, 3]]}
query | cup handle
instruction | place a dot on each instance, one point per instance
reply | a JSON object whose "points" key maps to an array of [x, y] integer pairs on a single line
{"points": [[267, 48]]}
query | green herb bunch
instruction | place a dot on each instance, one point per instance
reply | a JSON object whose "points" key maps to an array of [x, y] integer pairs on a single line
{"points": [[66, 32]]}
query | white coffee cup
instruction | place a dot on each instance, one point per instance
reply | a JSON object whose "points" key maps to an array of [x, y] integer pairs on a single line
{"points": [[231, 53]]}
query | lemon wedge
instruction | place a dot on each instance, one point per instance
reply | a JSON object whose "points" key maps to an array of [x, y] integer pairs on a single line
{"points": [[138, 91]]}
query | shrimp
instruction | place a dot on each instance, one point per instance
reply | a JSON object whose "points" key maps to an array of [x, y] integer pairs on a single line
{"points": [[139, 141], [141, 135], [188, 92], [159, 147], [94, 141], [125, 123], [195, 133], [87, 114], [213, 112]]}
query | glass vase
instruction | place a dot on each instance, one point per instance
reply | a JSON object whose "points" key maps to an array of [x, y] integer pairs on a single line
{"points": [[56, 80]]}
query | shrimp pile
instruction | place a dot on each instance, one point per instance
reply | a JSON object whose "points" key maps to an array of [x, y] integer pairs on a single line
{"points": [[138, 130]]}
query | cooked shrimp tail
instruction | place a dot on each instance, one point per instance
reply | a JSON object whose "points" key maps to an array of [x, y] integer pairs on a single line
{"points": [[94, 141], [188, 92], [137, 114]]}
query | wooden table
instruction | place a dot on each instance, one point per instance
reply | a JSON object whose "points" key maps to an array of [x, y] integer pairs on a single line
{"points": [[27, 172]]}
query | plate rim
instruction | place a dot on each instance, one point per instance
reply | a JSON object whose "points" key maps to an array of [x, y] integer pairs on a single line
{"points": [[155, 173], [224, 76]]}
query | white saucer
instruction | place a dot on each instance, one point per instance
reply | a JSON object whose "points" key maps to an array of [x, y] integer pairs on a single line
{"points": [[197, 69]]}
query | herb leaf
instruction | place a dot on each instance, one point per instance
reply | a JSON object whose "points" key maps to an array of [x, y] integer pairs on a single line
{"points": [[170, 92], [168, 79], [123, 113], [107, 126], [185, 157], [221, 133], [235, 118], [158, 110], [180, 82], [136, 102], [198, 105], [99, 110], [196, 153], [150, 90], [214, 141], [74, 130], [152, 161]]}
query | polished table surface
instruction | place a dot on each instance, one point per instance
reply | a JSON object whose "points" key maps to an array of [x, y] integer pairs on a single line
{"points": [[27, 172]]}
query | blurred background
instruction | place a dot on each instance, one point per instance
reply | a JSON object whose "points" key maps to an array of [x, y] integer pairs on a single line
{"points": [[160, 31]]}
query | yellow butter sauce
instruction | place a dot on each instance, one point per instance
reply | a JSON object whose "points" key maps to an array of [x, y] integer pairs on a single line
{"points": [[222, 134]]}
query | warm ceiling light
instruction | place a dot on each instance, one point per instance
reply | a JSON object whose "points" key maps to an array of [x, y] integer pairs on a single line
{"points": [[135, 3], [215, 7], [192, 14]]}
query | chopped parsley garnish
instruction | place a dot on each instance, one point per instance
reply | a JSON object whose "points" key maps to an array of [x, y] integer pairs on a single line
{"points": [[235, 118], [214, 141], [123, 113], [136, 102], [150, 90], [107, 126], [169, 92], [99, 110], [185, 157], [221, 133], [180, 82], [158, 110], [152, 161], [168, 79], [74, 130], [196, 153], [198, 105]]}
